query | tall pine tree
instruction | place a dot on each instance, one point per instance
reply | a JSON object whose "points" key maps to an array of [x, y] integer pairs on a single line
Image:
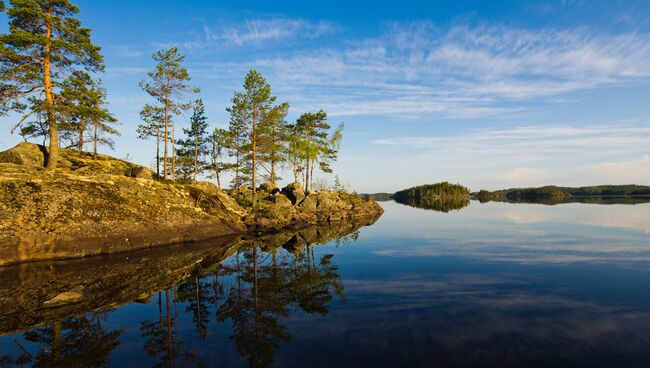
{"points": [[153, 118], [251, 111], [167, 83], [196, 144], [45, 42], [316, 144], [83, 100]]}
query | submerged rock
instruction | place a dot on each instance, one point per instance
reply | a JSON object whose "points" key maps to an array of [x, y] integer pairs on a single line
{"points": [[74, 295]]}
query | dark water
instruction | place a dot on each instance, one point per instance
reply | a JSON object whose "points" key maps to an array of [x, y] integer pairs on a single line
{"points": [[489, 285]]}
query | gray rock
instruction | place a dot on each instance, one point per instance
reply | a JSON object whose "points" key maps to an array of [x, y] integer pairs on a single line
{"points": [[73, 295]]}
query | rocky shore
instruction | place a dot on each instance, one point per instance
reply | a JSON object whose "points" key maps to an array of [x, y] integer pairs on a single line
{"points": [[104, 205]]}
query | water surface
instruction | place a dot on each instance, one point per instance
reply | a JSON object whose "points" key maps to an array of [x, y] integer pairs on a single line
{"points": [[493, 284]]}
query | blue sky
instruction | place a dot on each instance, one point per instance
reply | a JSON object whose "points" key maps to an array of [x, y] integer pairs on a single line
{"points": [[490, 94]]}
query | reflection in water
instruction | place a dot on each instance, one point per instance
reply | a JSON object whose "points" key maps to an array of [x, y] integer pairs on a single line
{"points": [[586, 199], [496, 285], [439, 205], [250, 284], [75, 342]]}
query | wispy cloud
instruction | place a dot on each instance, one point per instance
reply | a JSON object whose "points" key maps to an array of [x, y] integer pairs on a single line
{"points": [[462, 71], [258, 32]]}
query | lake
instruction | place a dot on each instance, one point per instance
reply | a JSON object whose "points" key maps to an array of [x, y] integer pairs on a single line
{"points": [[488, 285]]}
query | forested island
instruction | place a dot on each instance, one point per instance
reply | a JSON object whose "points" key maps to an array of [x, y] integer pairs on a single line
{"points": [[59, 197], [438, 191], [555, 193], [441, 197]]}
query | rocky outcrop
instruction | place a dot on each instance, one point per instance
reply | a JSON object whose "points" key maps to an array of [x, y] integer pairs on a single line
{"points": [[106, 207], [90, 206], [292, 207]]}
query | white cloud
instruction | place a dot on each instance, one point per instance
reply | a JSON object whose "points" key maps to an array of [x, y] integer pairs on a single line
{"points": [[258, 31], [462, 71]]}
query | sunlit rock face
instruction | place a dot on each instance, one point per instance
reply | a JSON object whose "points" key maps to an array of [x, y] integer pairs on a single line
{"points": [[38, 293], [294, 207], [90, 207], [102, 205]]}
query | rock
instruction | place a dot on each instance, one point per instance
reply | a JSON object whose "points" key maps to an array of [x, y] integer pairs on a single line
{"points": [[281, 200], [73, 295], [25, 154], [309, 203], [294, 192], [62, 214], [269, 188], [140, 172]]}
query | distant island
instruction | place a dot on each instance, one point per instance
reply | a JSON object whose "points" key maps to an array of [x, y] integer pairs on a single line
{"points": [[438, 191], [441, 197], [556, 194]]}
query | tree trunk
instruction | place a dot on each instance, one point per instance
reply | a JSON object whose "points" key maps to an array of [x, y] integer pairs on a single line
{"points": [[95, 138], [196, 156], [53, 155], [166, 134], [311, 176], [307, 172], [80, 144], [173, 173], [158, 150], [253, 168]]}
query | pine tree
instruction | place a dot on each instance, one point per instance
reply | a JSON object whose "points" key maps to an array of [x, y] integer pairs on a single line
{"points": [[219, 142], [273, 139], [153, 119], [316, 145], [83, 100], [45, 42], [167, 84], [250, 113], [196, 144]]}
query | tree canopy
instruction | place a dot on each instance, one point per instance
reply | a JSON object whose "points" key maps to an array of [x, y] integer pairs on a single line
{"points": [[45, 44]]}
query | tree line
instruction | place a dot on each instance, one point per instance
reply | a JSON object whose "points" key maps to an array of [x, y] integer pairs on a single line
{"points": [[49, 77]]}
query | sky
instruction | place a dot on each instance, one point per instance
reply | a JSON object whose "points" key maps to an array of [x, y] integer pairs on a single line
{"points": [[489, 94]]}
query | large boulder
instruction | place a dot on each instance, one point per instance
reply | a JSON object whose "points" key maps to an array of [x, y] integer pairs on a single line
{"points": [[140, 172], [270, 188], [294, 192], [281, 200], [310, 203], [26, 154]]}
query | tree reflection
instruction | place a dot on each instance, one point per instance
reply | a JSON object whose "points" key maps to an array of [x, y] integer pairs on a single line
{"points": [[268, 286], [75, 342], [250, 286], [161, 337], [439, 205]]}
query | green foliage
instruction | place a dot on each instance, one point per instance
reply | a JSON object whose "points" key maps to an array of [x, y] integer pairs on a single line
{"points": [[312, 144], [554, 194], [167, 84], [45, 43], [256, 130], [193, 149], [82, 99], [219, 142], [442, 190]]}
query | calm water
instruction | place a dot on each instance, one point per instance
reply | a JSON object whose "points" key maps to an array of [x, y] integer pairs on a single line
{"points": [[495, 284]]}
